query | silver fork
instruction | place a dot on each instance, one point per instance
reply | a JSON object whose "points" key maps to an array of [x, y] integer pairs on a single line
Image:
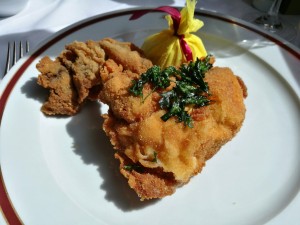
{"points": [[14, 54]]}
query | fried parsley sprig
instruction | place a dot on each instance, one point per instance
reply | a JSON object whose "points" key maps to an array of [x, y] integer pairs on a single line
{"points": [[190, 89]]}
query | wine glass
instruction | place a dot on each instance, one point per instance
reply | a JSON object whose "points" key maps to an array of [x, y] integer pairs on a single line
{"points": [[272, 22]]}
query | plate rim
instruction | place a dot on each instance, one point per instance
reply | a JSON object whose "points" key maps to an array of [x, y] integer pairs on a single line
{"points": [[6, 206]]}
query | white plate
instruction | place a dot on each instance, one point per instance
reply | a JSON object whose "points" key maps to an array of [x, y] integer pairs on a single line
{"points": [[62, 170]]}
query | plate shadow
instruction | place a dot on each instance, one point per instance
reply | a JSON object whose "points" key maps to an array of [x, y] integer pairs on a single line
{"points": [[93, 146], [34, 91]]}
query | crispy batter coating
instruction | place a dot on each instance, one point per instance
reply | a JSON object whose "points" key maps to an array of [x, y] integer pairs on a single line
{"points": [[170, 146], [74, 76], [147, 183], [126, 54], [63, 97], [115, 93], [155, 156], [83, 61]]}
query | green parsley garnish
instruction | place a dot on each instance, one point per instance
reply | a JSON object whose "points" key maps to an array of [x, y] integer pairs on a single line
{"points": [[132, 167], [154, 157], [190, 88], [154, 75]]}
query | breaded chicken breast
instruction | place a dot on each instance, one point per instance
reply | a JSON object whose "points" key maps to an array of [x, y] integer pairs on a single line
{"points": [[156, 156]]}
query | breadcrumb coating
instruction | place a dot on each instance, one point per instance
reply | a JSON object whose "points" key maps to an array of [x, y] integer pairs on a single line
{"points": [[155, 156]]}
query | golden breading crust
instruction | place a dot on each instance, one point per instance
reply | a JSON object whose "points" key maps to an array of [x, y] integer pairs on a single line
{"points": [[63, 97], [155, 156], [170, 146], [83, 61], [73, 76], [147, 183], [126, 54]]}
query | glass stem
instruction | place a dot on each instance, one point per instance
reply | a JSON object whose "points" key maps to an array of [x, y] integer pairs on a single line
{"points": [[274, 9]]}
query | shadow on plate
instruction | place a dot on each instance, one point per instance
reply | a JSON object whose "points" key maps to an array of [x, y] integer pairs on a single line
{"points": [[34, 91], [93, 146]]}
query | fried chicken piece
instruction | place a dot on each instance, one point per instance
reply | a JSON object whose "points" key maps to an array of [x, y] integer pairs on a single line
{"points": [[179, 152], [146, 182], [126, 54], [155, 156], [73, 76], [83, 61], [62, 98], [114, 92]]}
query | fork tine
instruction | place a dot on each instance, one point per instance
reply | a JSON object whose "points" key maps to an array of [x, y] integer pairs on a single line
{"points": [[27, 46], [21, 50], [7, 66], [14, 54], [17, 53]]}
